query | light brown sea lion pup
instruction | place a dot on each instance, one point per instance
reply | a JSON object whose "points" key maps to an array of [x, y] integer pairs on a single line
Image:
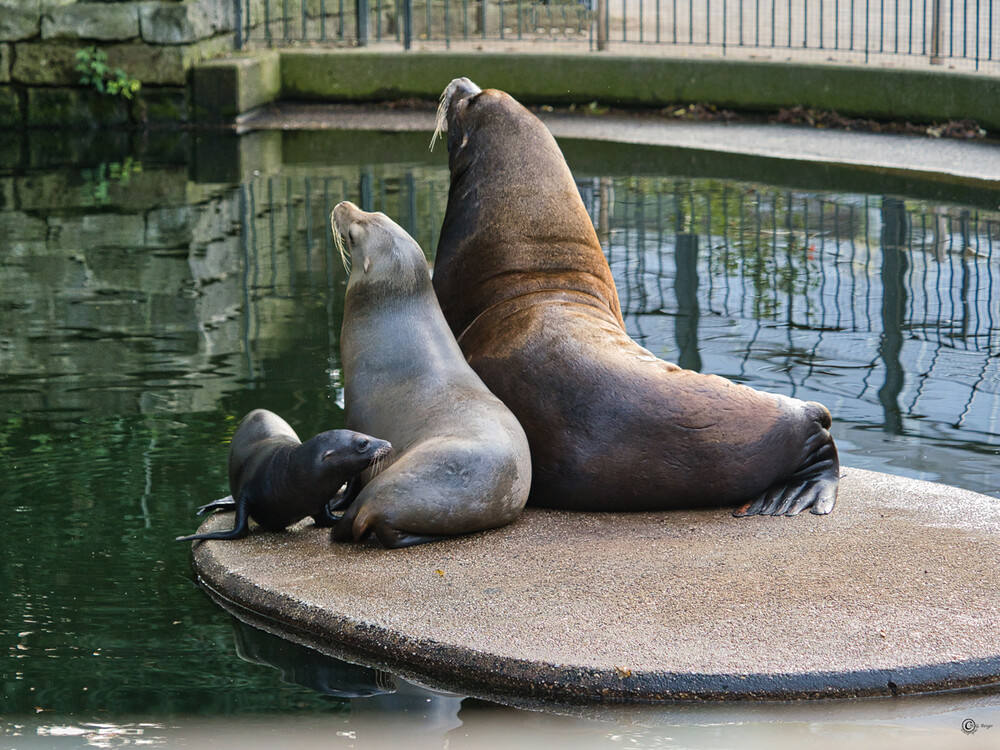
{"points": [[525, 286], [460, 459]]}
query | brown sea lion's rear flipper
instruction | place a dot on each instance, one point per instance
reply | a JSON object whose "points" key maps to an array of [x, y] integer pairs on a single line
{"points": [[241, 526], [818, 496], [813, 485], [223, 503]]}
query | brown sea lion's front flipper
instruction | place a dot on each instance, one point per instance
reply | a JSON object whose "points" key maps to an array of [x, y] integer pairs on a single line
{"points": [[223, 503], [241, 525]]}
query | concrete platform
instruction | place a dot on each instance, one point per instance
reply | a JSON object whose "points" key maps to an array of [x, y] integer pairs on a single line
{"points": [[894, 593]]}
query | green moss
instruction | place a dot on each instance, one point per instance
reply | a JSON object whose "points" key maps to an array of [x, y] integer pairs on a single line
{"points": [[881, 93], [74, 108], [226, 88], [162, 105], [11, 110]]}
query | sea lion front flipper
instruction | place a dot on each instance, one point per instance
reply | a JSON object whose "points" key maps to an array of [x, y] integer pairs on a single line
{"points": [[361, 521], [328, 517], [223, 503], [394, 538], [348, 496], [241, 525]]}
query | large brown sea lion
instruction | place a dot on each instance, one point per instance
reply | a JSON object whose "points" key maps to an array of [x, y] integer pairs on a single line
{"points": [[460, 459], [526, 288], [277, 480]]}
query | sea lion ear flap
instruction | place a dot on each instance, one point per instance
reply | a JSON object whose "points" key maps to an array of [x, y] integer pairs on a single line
{"points": [[367, 264]]}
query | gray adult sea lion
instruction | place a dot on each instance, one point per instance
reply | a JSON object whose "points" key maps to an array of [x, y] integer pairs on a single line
{"points": [[278, 480], [526, 288], [460, 461]]}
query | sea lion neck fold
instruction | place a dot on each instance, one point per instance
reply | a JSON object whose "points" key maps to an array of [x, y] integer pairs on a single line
{"points": [[511, 194]]}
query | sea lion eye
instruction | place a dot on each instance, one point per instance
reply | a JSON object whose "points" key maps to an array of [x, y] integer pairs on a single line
{"points": [[363, 444], [354, 234]]}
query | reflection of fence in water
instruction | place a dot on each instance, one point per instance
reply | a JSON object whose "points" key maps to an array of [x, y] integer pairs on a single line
{"points": [[904, 296], [287, 219], [906, 293]]}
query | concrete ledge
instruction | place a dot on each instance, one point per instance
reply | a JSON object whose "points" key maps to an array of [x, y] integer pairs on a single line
{"points": [[225, 88], [891, 594], [880, 93]]}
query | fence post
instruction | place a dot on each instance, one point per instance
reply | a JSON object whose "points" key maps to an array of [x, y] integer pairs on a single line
{"points": [[238, 22], [407, 23], [362, 10], [936, 33], [602, 24]]}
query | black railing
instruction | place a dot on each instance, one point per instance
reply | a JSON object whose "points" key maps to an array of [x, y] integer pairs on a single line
{"points": [[962, 33]]}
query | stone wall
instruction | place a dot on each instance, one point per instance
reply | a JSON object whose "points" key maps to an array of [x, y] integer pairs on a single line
{"points": [[153, 41]]}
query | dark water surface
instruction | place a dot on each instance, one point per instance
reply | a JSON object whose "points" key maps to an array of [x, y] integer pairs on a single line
{"points": [[152, 291]]}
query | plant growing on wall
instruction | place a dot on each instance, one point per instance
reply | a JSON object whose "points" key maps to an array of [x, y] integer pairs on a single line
{"points": [[92, 63]]}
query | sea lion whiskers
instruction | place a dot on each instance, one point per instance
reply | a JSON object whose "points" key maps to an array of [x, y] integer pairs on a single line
{"points": [[441, 122], [338, 241], [382, 461]]}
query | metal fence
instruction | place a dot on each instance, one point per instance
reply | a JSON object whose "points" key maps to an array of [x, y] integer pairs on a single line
{"points": [[957, 33]]}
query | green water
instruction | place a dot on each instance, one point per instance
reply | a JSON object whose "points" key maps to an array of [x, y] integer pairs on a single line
{"points": [[154, 289]]}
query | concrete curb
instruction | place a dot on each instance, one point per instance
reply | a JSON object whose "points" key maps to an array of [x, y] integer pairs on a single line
{"points": [[888, 595], [878, 92]]}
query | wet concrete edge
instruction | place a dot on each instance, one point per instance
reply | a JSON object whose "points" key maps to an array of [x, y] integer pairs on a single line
{"points": [[525, 683]]}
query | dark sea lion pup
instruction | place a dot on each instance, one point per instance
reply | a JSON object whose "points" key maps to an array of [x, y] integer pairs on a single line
{"points": [[278, 480], [460, 461], [526, 288]]}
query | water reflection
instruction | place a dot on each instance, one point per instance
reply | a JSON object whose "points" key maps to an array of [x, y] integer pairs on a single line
{"points": [[372, 691], [146, 305]]}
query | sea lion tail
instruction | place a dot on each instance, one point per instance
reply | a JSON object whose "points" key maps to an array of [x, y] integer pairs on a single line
{"points": [[445, 103]]}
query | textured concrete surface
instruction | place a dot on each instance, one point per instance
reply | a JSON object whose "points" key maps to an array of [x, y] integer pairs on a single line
{"points": [[893, 593]]}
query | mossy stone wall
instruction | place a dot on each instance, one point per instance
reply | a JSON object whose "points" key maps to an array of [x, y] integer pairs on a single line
{"points": [[153, 41]]}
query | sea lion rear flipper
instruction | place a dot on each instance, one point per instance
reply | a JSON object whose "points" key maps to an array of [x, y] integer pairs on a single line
{"points": [[223, 503], [791, 499], [241, 526], [812, 485]]}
